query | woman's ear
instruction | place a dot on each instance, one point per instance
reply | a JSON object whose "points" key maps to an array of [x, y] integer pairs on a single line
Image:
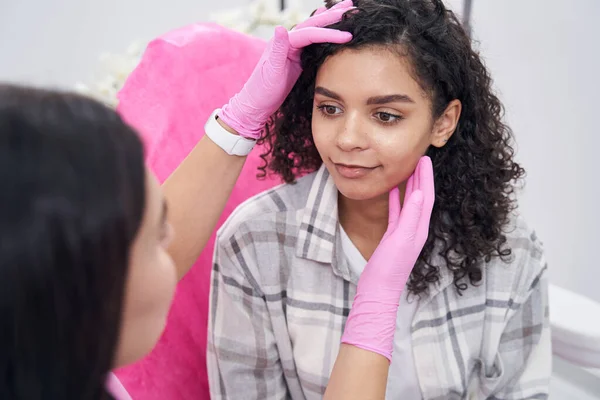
{"points": [[445, 125]]}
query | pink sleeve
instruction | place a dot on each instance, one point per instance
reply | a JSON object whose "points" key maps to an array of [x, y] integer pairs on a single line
{"points": [[114, 387]]}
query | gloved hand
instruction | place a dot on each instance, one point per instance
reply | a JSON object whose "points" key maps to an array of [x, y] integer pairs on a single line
{"points": [[372, 320], [278, 70]]}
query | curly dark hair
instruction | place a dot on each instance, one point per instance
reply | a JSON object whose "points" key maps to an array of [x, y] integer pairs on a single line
{"points": [[475, 174]]}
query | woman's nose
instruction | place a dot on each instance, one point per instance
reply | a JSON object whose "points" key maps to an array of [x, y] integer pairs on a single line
{"points": [[351, 135]]}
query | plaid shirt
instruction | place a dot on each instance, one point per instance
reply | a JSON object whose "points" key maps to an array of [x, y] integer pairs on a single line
{"points": [[282, 290]]}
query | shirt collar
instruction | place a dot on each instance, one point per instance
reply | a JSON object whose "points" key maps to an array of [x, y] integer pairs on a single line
{"points": [[319, 220], [319, 235]]}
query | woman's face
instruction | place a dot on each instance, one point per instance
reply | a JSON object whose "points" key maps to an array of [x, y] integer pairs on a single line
{"points": [[371, 121], [151, 280]]}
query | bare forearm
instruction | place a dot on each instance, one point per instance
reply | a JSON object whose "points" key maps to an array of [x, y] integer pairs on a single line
{"points": [[197, 192], [358, 374]]}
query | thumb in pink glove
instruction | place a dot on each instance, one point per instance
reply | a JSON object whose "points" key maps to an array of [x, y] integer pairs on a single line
{"points": [[372, 320], [278, 70]]}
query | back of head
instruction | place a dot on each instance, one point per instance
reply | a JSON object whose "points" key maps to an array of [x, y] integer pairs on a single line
{"points": [[474, 171], [72, 199]]}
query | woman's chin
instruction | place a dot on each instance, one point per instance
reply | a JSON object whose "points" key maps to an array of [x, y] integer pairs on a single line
{"points": [[357, 191]]}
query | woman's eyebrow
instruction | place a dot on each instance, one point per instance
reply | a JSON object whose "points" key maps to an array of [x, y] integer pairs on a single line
{"points": [[385, 99], [326, 92], [390, 98]]}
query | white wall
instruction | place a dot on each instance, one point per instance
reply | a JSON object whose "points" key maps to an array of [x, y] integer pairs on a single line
{"points": [[543, 55], [545, 59], [58, 42]]}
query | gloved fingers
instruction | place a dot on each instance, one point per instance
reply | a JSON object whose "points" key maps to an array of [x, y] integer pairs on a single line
{"points": [[279, 48], [394, 208], [304, 37], [410, 217], [427, 186]]}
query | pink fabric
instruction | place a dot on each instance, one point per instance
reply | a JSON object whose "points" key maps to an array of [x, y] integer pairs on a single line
{"points": [[183, 76]]}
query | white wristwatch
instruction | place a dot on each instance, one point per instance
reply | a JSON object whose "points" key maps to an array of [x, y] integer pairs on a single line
{"points": [[234, 145]]}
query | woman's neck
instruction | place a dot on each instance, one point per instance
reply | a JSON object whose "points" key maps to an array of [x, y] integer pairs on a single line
{"points": [[365, 221]]}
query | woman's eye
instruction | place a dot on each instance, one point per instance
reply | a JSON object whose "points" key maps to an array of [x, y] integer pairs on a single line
{"points": [[329, 110], [388, 118]]}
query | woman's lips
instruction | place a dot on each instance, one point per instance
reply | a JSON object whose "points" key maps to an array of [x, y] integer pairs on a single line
{"points": [[353, 171]]}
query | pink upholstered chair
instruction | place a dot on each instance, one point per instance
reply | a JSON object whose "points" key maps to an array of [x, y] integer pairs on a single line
{"points": [[183, 76]]}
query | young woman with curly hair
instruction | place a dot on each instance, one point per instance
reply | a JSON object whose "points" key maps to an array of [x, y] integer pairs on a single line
{"points": [[473, 320]]}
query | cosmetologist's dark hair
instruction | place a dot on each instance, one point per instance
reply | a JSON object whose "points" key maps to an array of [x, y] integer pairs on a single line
{"points": [[72, 200]]}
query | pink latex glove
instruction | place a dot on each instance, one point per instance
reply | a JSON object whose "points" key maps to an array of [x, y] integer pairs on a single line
{"points": [[372, 320], [278, 70]]}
